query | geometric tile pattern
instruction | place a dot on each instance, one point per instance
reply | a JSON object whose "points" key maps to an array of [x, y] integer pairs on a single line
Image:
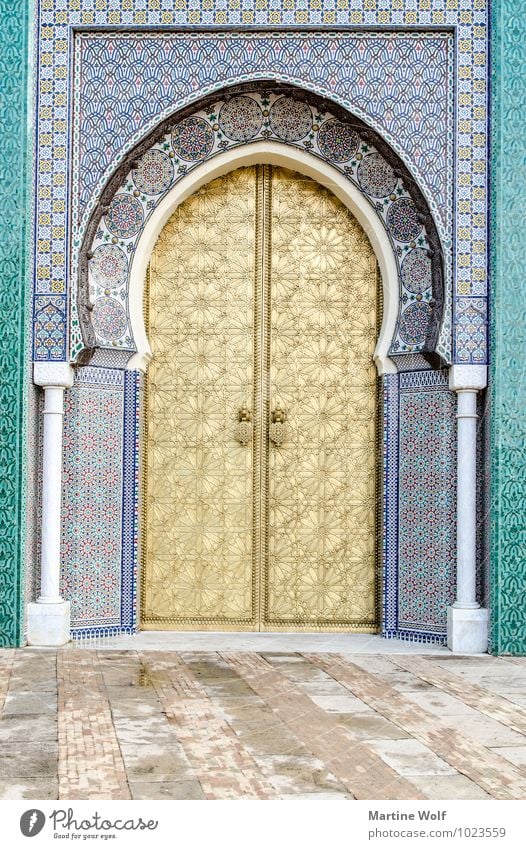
{"points": [[99, 535], [420, 505], [365, 72], [508, 336], [253, 117], [56, 99], [13, 281], [195, 724]]}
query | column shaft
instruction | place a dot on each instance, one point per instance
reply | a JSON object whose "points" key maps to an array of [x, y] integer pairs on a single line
{"points": [[466, 498], [467, 622], [48, 619], [51, 495]]}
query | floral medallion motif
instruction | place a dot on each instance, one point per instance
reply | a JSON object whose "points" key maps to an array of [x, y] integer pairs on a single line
{"points": [[375, 175], [109, 266], [416, 271], [337, 141], [402, 220], [240, 118], [109, 318], [154, 173], [125, 216], [413, 324], [192, 138], [290, 119]]}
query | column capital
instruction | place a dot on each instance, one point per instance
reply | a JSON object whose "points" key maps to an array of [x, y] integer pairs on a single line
{"points": [[53, 374], [468, 377]]}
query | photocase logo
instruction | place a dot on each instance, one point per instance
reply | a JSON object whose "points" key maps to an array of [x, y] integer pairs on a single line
{"points": [[32, 822]]}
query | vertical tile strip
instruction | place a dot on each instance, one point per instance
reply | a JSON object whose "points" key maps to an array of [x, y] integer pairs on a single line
{"points": [[508, 339], [130, 501], [13, 236]]}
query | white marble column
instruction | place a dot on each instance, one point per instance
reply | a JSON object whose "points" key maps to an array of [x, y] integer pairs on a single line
{"points": [[467, 622], [49, 616]]}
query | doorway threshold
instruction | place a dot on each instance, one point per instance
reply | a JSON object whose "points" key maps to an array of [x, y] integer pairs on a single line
{"points": [[212, 641]]}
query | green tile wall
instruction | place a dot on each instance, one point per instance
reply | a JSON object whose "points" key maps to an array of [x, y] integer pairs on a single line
{"points": [[508, 328], [13, 234]]}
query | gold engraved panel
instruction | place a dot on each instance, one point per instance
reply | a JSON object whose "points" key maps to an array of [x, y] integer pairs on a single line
{"points": [[320, 572], [198, 566], [262, 293]]}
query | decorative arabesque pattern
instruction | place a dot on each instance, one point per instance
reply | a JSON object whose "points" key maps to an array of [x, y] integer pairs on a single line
{"points": [[262, 295], [399, 82], [508, 387], [99, 504], [420, 505], [258, 116], [322, 514], [198, 537], [387, 62], [13, 215]]}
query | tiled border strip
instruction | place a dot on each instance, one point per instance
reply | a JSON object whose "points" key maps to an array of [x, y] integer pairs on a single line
{"points": [[14, 228], [507, 337]]}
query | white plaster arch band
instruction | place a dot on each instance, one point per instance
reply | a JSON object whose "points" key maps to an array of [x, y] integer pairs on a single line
{"points": [[243, 129]]}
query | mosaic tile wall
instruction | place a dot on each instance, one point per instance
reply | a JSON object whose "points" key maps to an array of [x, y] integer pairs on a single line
{"points": [[209, 55], [99, 539], [508, 348], [13, 255], [35, 426], [420, 505]]}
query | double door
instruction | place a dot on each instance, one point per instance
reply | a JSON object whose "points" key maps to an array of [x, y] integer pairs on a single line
{"points": [[260, 439]]}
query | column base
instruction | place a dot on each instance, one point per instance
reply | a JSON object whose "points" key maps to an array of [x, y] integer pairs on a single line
{"points": [[48, 624], [467, 630]]}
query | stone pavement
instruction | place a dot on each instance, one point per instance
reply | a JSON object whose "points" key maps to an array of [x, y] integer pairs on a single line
{"points": [[105, 723]]}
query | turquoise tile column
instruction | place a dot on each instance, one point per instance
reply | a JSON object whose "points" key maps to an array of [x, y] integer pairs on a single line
{"points": [[508, 328], [13, 254]]}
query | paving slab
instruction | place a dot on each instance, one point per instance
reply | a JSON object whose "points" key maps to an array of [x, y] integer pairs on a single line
{"points": [[29, 760], [28, 728], [29, 788], [409, 757], [20, 702], [166, 790]]}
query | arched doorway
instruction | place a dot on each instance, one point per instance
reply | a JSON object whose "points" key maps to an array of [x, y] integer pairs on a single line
{"points": [[262, 297]]}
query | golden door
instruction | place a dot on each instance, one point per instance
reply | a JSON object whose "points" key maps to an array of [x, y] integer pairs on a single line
{"points": [[260, 443]]}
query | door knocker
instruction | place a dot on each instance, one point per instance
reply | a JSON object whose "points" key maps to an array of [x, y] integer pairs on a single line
{"points": [[243, 431], [277, 426]]}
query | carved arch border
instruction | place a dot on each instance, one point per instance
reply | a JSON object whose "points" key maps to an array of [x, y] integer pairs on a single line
{"points": [[243, 125]]}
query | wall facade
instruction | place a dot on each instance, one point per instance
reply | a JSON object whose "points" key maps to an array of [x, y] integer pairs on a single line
{"points": [[108, 73]]}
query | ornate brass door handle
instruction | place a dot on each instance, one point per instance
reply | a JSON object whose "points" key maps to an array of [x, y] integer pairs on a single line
{"points": [[243, 431], [276, 430]]}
